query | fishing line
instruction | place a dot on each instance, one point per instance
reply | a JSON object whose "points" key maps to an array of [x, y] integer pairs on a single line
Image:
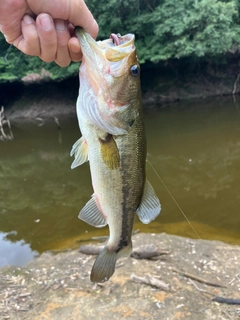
{"points": [[174, 200]]}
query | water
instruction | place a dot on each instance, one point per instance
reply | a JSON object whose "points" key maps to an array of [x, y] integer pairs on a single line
{"points": [[14, 253], [194, 147]]}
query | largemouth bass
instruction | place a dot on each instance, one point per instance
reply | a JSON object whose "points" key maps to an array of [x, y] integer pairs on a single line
{"points": [[110, 118]]}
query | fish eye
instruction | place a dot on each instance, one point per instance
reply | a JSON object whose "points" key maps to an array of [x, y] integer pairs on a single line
{"points": [[135, 70]]}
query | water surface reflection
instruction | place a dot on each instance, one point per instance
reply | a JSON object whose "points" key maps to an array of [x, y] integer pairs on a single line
{"points": [[14, 253]]}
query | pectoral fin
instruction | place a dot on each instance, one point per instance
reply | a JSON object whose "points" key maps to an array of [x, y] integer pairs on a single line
{"points": [[109, 152], [91, 214], [150, 206], [80, 152]]}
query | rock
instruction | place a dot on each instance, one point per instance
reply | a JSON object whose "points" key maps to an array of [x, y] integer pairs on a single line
{"points": [[57, 286]]}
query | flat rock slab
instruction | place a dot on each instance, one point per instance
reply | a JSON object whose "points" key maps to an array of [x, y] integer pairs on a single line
{"points": [[57, 286]]}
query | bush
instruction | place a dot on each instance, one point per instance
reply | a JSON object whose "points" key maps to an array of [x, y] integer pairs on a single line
{"points": [[164, 29]]}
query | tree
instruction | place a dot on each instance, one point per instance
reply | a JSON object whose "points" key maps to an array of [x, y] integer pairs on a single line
{"points": [[164, 29], [168, 29]]}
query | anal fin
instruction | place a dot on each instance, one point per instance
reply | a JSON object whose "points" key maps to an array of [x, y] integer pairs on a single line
{"points": [[80, 152], [92, 215], [150, 206]]}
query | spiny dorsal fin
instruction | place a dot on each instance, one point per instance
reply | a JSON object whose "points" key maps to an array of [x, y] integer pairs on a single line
{"points": [[150, 206], [80, 152], [109, 152], [91, 214]]}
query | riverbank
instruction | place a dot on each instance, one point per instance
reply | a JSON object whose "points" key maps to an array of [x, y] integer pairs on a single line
{"points": [[160, 86], [183, 277]]}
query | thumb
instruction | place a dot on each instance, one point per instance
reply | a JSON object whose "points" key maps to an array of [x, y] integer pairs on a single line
{"points": [[74, 11]]}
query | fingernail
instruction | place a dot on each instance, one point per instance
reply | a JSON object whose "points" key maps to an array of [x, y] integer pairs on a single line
{"points": [[27, 19], [60, 25], [46, 22]]}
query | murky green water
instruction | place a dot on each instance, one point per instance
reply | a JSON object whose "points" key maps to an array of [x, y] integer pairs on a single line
{"points": [[194, 147]]}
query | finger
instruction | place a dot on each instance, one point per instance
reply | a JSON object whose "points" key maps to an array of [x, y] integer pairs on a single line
{"points": [[83, 18], [11, 14], [74, 11], [75, 49], [28, 42], [71, 29], [63, 35], [47, 36]]}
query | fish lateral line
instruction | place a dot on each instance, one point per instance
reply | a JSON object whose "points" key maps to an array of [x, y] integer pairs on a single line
{"points": [[174, 200]]}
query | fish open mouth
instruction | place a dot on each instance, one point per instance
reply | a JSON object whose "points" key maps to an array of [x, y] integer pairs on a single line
{"points": [[118, 40], [114, 49], [117, 47]]}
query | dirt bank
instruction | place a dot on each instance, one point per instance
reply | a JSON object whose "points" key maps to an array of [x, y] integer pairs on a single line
{"points": [[160, 86], [184, 279]]}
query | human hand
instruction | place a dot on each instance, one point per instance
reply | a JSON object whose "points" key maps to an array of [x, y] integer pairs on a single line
{"points": [[45, 28]]}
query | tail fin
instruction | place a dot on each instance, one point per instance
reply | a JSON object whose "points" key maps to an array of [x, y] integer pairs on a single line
{"points": [[104, 266]]}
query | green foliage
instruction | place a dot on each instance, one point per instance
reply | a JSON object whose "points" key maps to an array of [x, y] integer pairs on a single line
{"points": [[196, 28], [14, 65], [168, 29], [164, 29]]}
